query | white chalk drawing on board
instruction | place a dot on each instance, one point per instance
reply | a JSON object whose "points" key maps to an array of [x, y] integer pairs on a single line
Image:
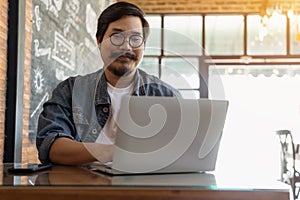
{"points": [[54, 6], [72, 8], [38, 81], [89, 44], [105, 3], [60, 75], [58, 4], [91, 20], [64, 51], [47, 3], [38, 19], [44, 99], [41, 51]]}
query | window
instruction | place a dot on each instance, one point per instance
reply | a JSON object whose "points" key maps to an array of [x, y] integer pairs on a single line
{"points": [[150, 65], [295, 35], [259, 105], [154, 41], [263, 97], [182, 73], [176, 41], [174, 57], [224, 35], [267, 38], [182, 35]]}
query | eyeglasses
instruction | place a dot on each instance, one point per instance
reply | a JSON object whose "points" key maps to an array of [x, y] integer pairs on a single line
{"points": [[118, 39]]}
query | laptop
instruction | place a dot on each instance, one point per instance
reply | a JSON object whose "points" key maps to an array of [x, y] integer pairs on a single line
{"points": [[166, 135]]}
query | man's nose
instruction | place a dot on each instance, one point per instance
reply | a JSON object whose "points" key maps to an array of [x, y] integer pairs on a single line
{"points": [[126, 45]]}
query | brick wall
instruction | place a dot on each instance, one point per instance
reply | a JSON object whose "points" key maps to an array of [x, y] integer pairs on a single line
{"points": [[3, 66], [209, 6], [29, 152], [197, 6]]}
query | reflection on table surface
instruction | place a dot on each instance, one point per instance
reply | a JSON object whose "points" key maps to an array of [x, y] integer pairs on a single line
{"points": [[80, 175], [76, 175]]}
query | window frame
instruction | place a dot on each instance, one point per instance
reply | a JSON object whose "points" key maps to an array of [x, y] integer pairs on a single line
{"points": [[206, 60]]}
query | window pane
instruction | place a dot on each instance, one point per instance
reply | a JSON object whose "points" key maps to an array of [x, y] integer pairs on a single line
{"points": [[295, 35], [224, 35], [153, 43], [267, 39], [150, 65], [258, 106], [183, 35], [181, 73]]}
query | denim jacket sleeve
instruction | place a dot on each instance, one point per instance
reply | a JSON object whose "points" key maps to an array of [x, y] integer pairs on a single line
{"points": [[56, 119]]}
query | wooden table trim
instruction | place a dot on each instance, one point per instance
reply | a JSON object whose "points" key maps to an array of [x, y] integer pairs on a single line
{"points": [[144, 193]]}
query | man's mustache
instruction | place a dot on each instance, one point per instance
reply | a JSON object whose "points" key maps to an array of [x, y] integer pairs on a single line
{"points": [[130, 55]]}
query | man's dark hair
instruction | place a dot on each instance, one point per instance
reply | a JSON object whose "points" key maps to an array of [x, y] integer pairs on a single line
{"points": [[115, 12]]}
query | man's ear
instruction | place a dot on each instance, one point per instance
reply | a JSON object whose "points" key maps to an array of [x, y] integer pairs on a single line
{"points": [[98, 43]]}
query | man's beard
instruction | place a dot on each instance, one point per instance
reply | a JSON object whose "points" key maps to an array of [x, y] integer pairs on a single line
{"points": [[119, 72], [123, 71]]}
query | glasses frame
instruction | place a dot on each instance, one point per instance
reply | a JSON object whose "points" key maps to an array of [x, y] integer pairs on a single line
{"points": [[129, 40]]}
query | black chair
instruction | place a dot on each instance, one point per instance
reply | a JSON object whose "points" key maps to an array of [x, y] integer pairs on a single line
{"points": [[289, 158]]}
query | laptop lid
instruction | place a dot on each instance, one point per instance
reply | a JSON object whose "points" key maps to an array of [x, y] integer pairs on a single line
{"points": [[167, 135]]}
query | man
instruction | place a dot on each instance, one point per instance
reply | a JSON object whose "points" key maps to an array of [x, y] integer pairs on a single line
{"points": [[77, 125]]}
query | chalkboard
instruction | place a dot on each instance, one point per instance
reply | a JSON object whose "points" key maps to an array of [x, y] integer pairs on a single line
{"points": [[63, 45]]}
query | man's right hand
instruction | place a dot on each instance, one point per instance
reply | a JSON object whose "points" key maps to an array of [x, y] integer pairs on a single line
{"points": [[69, 152]]}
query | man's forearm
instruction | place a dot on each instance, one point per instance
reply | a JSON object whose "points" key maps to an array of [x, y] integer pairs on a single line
{"points": [[69, 152]]}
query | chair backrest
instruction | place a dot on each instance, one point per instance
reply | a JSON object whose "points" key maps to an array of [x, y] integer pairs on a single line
{"points": [[289, 149], [288, 152]]}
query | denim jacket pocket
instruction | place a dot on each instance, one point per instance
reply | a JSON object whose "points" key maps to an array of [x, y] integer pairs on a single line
{"points": [[87, 128]]}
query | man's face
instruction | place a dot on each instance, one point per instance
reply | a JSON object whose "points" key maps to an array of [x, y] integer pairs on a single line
{"points": [[121, 58]]}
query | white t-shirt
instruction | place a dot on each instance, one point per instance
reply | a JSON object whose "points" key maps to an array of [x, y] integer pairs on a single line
{"points": [[108, 133]]}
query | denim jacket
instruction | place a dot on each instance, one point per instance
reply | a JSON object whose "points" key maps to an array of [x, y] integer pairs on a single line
{"points": [[80, 106]]}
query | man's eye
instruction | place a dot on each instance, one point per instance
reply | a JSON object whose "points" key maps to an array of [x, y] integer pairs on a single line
{"points": [[118, 36], [136, 38]]}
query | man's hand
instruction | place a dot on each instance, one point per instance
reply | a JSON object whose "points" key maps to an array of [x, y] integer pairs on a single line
{"points": [[101, 152], [69, 152]]}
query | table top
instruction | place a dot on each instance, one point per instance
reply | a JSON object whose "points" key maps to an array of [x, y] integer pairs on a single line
{"points": [[81, 177]]}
